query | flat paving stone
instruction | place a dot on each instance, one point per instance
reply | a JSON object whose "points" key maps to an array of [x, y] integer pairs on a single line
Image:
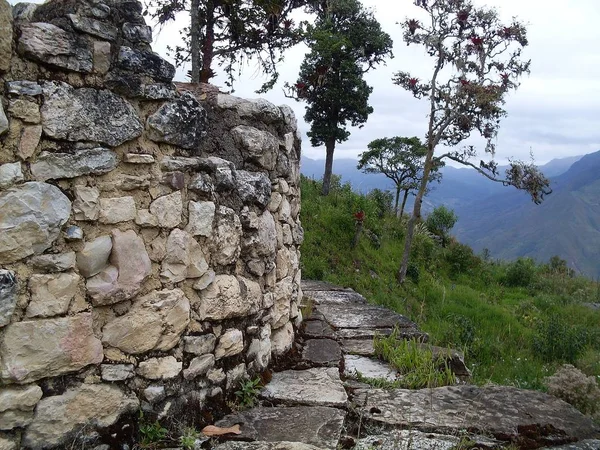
{"points": [[317, 425], [363, 347], [261, 445], [315, 285], [587, 444], [336, 297], [417, 440], [316, 387], [322, 351], [530, 419], [368, 367], [362, 333], [318, 329]]}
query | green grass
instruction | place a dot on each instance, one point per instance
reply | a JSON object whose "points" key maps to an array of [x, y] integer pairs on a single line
{"points": [[515, 322]]}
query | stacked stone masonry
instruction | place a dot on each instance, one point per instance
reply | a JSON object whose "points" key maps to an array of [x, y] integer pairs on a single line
{"points": [[149, 233]]}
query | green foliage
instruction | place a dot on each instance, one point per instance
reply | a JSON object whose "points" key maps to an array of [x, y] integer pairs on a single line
{"points": [[440, 221], [188, 438], [417, 366], [558, 341], [461, 258], [151, 432], [247, 394], [520, 272], [382, 201]]}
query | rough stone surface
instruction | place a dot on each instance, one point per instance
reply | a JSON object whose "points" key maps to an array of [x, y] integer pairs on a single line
{"points": [[117, 372], [261, 146], [160, 368], [8, 295], [259, 351], [168, 209], [10, 174], [318, 426], [154, 393], [94, 27], [92, 405], [254, 188], [259, 109], [408, 440], [86, 205], [25, 110], [95, 161], [201, 215], [184, 258], [230, 343], [318, 329], [24, 87], [368, 367], [20, 398], [6, 24], [363, 347], [282, 339], [48, 44], [181, 122], [226, 237], [235, 376], [529, 418], [155, 322], [200, 365], [7, 444], [263, 242], [37, 349], [30, 138], [199, 345], [59, 262], [31, 216], [223, 299], [3, 120], [586, 444], [94, 256], [145, 62], [261, 445], [315, 387], [282, 295], [87, 114], [322, 351], [51, 295], [117, 209]]}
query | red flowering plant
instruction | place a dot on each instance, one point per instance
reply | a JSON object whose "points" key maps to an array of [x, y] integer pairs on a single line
{"points": [[359, 216], [476, 63]]}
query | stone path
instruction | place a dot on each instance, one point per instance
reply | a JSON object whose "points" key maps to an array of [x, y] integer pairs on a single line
{"points": [[316, 402]]}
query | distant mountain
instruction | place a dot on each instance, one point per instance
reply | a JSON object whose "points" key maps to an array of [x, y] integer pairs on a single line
{"points": [[504, 220]]}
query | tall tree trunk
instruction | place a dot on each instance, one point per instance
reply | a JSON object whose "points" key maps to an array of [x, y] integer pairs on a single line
{"points": [[195, 40], [208, 46], [397, 200], [416, 215], [329, 147], [403, 202]]}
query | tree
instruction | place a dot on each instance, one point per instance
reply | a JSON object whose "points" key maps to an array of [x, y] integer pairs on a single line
{"points": [[440, 221], [476, 63], [230, 33], [401, 160], [345, 42]]}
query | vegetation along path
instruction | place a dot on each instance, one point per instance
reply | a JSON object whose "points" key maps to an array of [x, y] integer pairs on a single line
{"points": [[335, 392]]}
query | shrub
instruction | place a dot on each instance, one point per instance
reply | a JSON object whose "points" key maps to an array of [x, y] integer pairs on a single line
{"points": [[440, 222], [520, 273], [382, 201], [557, 341], [461, 258], [577, 389]]}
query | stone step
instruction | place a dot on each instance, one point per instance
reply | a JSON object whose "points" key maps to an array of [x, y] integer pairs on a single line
{"points": [[368, 367], [317, 426], [261, 445]]}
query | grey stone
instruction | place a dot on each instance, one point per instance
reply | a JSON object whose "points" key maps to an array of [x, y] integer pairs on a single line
{"points": [[154, 322], [15, 419], [117, 210], [368, 367], [24, 87], [145, 219], [205, 280], [259, 109], [86, 205], [145, 63], [182, 163], [58, 417], [23, 12], [7, 443], [94, 161], [93, 27], [116, 372], [48, 44], [59, 262], [318, 329], [200, 365], [261, 146], [282, 339], [201, 215], [586, 444], [363, 347], [100, 10], [259, 351], [362, 333], [322, 351], [282, 295], [181, 122], [168, 209], [235, 376], [230, 343], [223, 172], [3, 121], [216, 376], [138, 158], [6, 24], [201, 183], [160, 368], [453, 358], [26, 110], [318, 426], [94, 256], [31, 216], [224, 299], [87, 114], [52, 294], [253, 188], [227, 233], [199, 345], [128, 182], [288, 116], [314, 387], [137, 33], [528, 418], [408, 440], [262, 445], [32, 350], [20, 398], [30, 138], [154, 393], [8, 295], [74, 233], [184, 259], [102, 58], [262, 243]]}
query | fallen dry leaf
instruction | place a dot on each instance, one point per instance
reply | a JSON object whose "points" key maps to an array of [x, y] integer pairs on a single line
{"points": [[212, 430]]}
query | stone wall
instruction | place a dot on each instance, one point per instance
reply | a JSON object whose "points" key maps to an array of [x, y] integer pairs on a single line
{"points": [[148, 234]]}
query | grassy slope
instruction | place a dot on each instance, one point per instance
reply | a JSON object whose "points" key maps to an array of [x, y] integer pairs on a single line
{"points": [[461, 300]]}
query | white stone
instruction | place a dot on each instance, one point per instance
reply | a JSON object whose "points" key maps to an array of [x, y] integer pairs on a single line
{"points": [[230, 343], [54, 262], [117, 209], [223, 299], [51, 295], [226, 237], [259, 351], [199, 345], [160, 368], [205, 280], [86, 205], [154, 393], [21, 398], [116, 372], [138, 158], [201, 215], [94, 256], [261, 146], [368, 367], [168, 209], [282, 339], [184, 258], [10, 174], [145, 219], [282, 299], [234, 376], [200, 365]]}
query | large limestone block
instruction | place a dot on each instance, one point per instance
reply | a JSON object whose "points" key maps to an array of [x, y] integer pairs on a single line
{"points": [[259, 351], [10, 174], [262, 243], [168, 209], [230, 343], [184, 258], [155, 322], [282, 298], [224, 299], [160, 368], [261, 146], [51, 295], [201, 215], [282, 339], [92, 161], [8, 295], [16, 406], [227, 235], [32, 350], [181, 122], [87, 114], [86, 205], [6, 25], [59, 417], [117, 209], [31, 216], [48, 44], [259, 109]]}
